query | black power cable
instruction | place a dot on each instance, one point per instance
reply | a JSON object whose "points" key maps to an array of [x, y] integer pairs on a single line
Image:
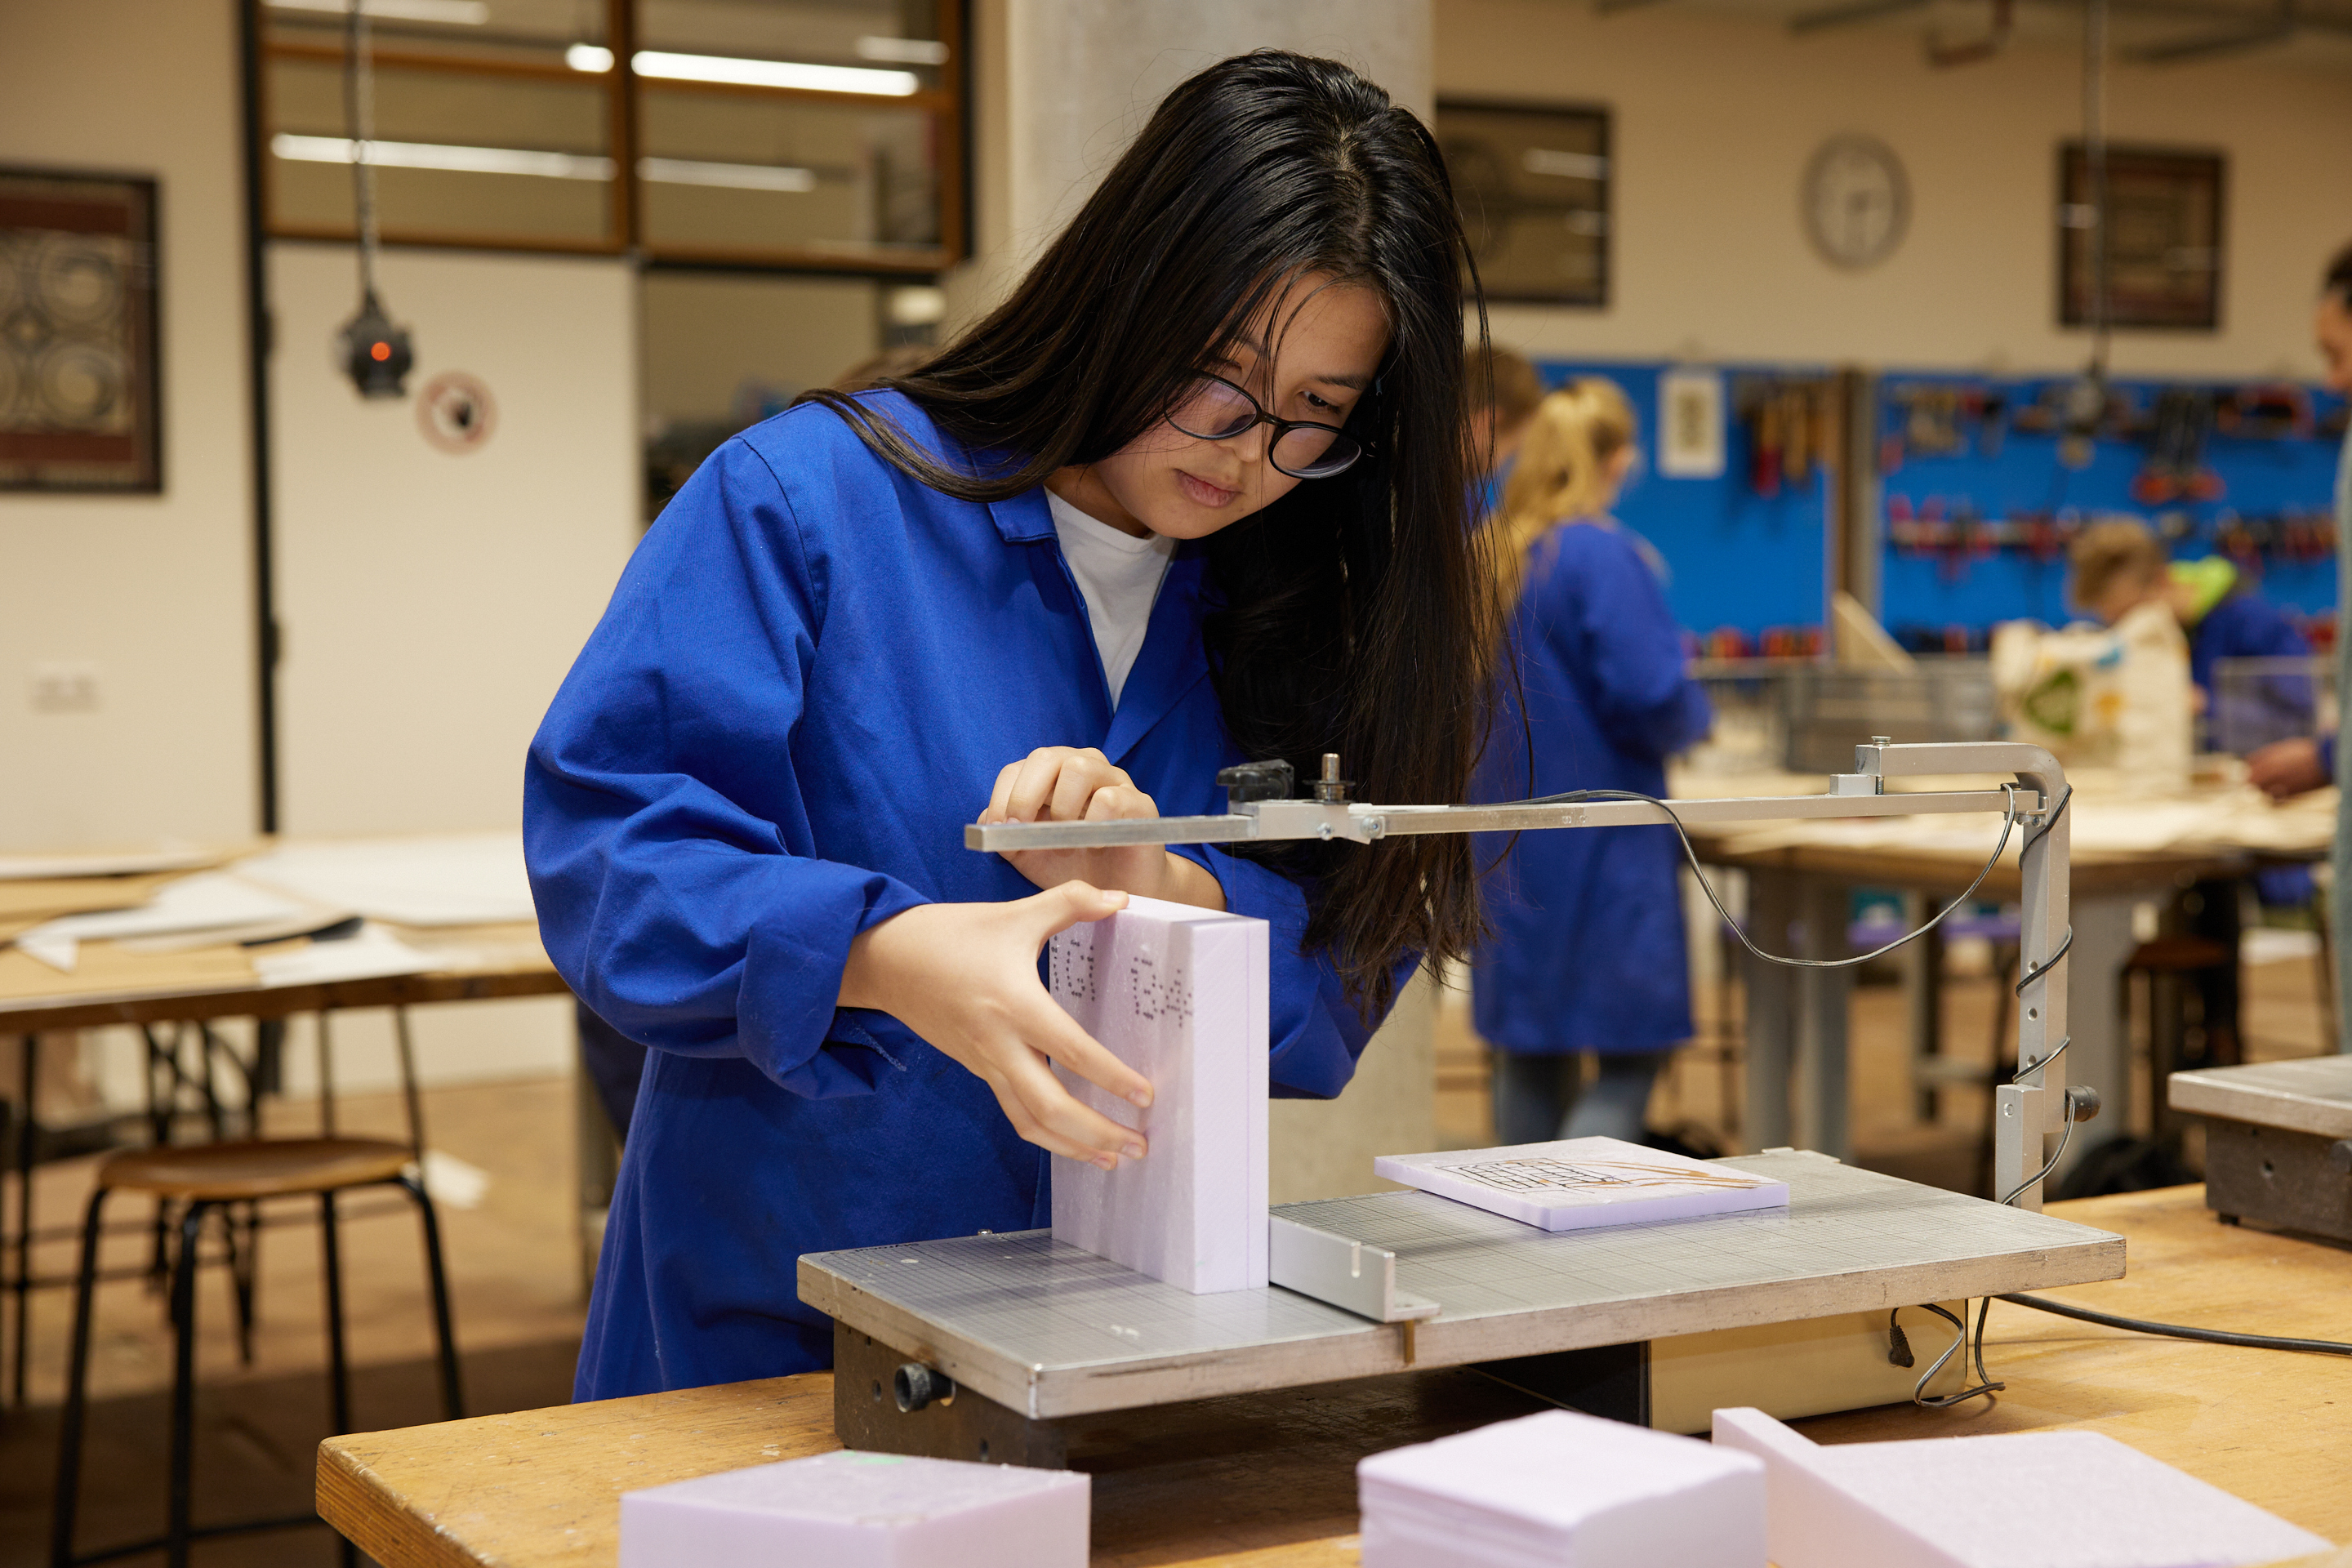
{"points": [[2182, 1330]]}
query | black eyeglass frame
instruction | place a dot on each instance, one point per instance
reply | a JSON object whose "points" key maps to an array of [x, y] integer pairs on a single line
{"points": [[1281, 428]]}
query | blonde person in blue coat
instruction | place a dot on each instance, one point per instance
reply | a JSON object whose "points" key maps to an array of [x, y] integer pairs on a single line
{"points": [[1192, 495], [1587, 948]]}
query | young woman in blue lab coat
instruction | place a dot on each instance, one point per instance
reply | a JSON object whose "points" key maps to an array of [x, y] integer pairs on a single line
{"points": [[1587, 949], [1192, 495]]}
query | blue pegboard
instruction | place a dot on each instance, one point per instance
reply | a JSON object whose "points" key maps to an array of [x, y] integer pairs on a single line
{"points": [[1736, 558], [2018, 473]]}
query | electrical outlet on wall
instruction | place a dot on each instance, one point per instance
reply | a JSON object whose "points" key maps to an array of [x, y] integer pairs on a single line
{"points": [[64, 686]]}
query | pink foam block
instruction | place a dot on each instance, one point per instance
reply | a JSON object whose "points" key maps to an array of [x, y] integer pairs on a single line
{"points": [[1178, 993], [1561, 1487], [850, 1510], [2020, 1499]]}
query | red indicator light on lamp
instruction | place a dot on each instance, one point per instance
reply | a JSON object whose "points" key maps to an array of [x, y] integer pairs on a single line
{"points": [[379, 352]]}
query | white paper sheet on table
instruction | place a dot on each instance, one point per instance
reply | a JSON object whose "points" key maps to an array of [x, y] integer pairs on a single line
{"points": [[461, 879], [374, 953], [41, 868], [212, 902]]}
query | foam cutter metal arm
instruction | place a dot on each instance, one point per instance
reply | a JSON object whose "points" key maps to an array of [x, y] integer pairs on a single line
{"points": [[2029, 1111]]}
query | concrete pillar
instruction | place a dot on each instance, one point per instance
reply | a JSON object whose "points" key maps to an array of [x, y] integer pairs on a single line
{"points": [[1060, 87]]}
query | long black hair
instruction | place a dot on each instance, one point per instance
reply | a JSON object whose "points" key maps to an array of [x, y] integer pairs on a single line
{"points": [[1352, 615]]}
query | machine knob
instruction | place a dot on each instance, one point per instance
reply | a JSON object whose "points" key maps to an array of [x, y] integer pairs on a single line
{"points": [[1256, 781], [2082, 1102], [917, 1385]]}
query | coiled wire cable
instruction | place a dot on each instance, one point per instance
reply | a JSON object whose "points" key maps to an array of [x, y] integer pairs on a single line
{"points": [[1690, 854]]}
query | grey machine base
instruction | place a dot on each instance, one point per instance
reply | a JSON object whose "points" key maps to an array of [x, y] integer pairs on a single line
{"points": [[1609, 1380], [2278, 1142], [2294, 1180]]}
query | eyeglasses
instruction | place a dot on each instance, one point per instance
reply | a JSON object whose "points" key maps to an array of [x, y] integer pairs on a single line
{"points": [[1214, 409]]}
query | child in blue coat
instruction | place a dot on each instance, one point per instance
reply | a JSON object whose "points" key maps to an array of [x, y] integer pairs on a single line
{"points": [[1192, 495], [1587, 949]]}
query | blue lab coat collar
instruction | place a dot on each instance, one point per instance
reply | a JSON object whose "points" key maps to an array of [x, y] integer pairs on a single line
{"points": [[1169, 663], [1168, 666], [1024, 519]]}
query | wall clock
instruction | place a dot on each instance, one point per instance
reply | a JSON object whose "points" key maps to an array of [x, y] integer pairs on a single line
{"points": [[1856, 202]]}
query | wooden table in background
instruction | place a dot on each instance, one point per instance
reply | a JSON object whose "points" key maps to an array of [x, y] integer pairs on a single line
{"points": [[1801, 877], [482, 963], [1275, 1487], [200, 984]]}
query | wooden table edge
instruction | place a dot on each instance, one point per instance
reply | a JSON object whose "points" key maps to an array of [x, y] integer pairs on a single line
{"points": [[349, 1499], [34, 1016]]}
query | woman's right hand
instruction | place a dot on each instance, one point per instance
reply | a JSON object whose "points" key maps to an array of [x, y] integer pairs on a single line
{"points": [[964, 978]]}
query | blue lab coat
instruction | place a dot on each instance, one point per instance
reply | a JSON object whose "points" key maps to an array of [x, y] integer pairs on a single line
{"points": [[803, 690], [1587, 951], [2246, 626]]}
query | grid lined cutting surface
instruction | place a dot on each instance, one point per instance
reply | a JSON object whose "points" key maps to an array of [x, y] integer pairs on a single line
{"points": [[1840, 1221], [1046, 1306], [1043, 1303]]}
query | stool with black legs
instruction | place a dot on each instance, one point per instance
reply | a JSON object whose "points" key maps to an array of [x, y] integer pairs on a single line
{"points": [[202, 1178]]}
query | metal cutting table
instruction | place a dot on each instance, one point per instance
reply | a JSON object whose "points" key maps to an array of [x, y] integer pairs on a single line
{"points": [[1041, 1331]]}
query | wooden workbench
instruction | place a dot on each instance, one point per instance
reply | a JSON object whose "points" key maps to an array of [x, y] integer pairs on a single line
{"points": [[1274, 1486]]}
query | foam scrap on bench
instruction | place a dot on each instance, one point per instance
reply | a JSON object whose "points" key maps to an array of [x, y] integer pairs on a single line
{"points": [[1558, 1487], [852, 1509], [2015, 1499]]}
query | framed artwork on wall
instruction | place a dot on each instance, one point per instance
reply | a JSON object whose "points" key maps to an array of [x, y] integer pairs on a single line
{"points": [[2165, 237], [1533, 182], [79, 405]]}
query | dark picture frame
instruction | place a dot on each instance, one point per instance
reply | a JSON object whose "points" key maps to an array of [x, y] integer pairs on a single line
{"points": [[2166, 237], [1535, 184], [80, 394]]}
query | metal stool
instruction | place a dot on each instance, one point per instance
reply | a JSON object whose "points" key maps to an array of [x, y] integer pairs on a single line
{"points": [[203, 1177]]}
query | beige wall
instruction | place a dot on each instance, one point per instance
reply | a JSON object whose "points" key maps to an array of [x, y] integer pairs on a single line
{"points": [[1716, 115], [152, 591], [432, 601]]}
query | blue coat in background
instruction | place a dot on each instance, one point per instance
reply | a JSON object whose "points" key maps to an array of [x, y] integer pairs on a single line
{"points": [[1588, 951], [803, 690], [2251, 713]]}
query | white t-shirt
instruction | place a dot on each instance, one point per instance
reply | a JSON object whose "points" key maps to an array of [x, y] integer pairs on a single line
{"points": [[1118, 574]]}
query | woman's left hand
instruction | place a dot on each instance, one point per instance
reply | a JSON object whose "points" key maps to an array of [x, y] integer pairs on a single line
{"points": [[1068, 783]]}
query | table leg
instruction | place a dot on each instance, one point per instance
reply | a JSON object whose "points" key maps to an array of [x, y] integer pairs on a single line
{"points": [[2100, 1055], [1771, 1035], [1822, 1119], [1923, 993], [20, 1284]]}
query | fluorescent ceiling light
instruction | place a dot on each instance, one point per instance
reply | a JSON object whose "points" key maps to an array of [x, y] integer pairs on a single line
{"points": [[453, 12], [432, 155], [903, 51], [1564, 166], [543, 165], [737, 176], [666, 67]]}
